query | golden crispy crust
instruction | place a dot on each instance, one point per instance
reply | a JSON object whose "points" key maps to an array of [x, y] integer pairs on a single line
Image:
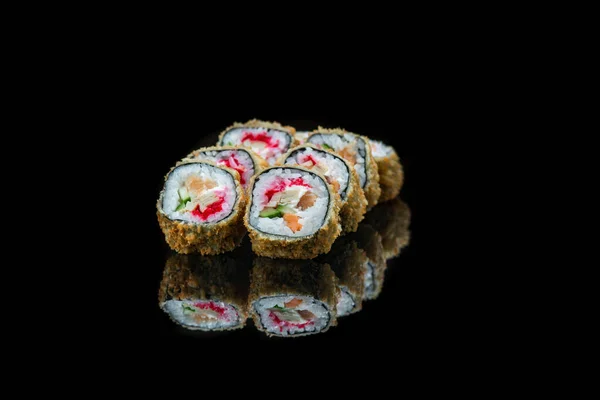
{"points": [[347, 261], [371, 189], [353, 209], [218, 278], [225, 235], [293, 277], [392, 220], [391, 176], [272, 246], [256, 123]]}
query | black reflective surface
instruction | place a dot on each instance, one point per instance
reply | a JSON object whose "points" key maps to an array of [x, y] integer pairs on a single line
{"points": [[359, 261], [389, 299]]}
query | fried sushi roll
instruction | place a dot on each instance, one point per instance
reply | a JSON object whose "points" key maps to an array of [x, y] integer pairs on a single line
{"points": [[244, 161], [391, 174], [208, 293], [356, 150], [291, 298], [392, 220], [375, 265], [292, 213], [349, 263], [339, 174], [201, 208], [270, 140]]}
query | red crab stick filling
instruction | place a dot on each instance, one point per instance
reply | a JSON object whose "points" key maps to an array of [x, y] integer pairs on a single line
{"points": [[308, 158], [266, 146], [207, 311], [212, 209], [280, 185], [260, 137], [233, 163], [201, 198], [288, 316], [211, 306], [285, 324]]}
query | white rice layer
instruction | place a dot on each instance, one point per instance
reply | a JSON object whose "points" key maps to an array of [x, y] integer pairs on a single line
{"points": [[351, 143], [300, 325], [380, 149], [177, 180], [311, 218], [280, 141], [231, 158], [187, 314], [345, 303], [331, 166]]}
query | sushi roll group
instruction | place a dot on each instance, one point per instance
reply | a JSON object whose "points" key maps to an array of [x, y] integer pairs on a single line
{"points": [[391, 174], [269, 140], [292, 213], [208, 293], [292, 298], [244, 161], [293, 199], [201, 207], [339, 174], [357, 151]]}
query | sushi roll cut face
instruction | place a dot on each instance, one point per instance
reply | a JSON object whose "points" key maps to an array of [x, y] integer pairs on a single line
{"points": [[352, 147], [198, 193], [346, 302], [268, 143], [332, 167], [236, 159], [202, 314], [290, 315], [289, 202]]}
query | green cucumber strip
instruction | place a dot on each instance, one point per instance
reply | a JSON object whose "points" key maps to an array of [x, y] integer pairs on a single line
{"points": [[285, 209], [270, 213], [182, 201], [187, 308]]}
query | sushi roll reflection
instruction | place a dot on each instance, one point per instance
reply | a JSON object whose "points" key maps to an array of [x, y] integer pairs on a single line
{"points": [[244, 161], [267, 139], [375, 265], [339, 174], [208, 293], [356, 150], [200, 209], [292, 213], [391, 174], [291, 298], [392, 220], [349, 263]]}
